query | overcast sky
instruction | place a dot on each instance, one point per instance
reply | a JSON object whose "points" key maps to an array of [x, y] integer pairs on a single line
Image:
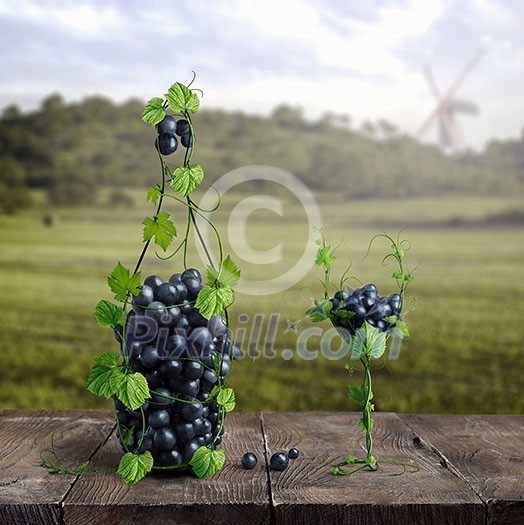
{"points": [[364, 59]]}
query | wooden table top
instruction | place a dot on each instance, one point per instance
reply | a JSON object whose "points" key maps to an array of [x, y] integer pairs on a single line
{"points": [[471, 471]]}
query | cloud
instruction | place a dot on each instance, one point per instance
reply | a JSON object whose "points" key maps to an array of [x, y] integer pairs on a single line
{"points": [[364, 58]]}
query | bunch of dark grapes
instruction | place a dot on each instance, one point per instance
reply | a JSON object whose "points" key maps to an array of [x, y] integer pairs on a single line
{"points": [[183, 356], [167, 142], [364, 304]]}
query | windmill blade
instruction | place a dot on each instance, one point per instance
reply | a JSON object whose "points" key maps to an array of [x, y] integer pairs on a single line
{"points": [[429, 119], [433, 84], [465, 72], [464, 106]]}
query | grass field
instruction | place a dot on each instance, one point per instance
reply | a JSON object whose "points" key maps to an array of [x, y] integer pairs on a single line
{"points": [[465, 354]]}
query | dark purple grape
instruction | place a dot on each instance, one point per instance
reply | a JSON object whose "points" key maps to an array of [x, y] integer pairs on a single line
{"points": [[224, 368], [367, 302], [168, 125], [171, 368], [183, 326], [202, 425], [395, 301], [199, 341], [182, 291], [193, 287], [186, 308], [217, 326], [137, 366], [192, 273], [149, 357], [189, 449], [208, 380], [171, 316], [293, 453], [176, 344], [192, 370], [184, 430], [279, 461], [169, 458], [154, 281], [379, 311], [165, 438], [197, 319], [189, 388], [153, 378], [166, 143], [161, 396], [123, 417], [182, 127], [145, 296], [370, 290], [175, 278], [187, 140], [167, 293], [156, 311], [158, 419], [147, 444], [249, 461], [213, 417], [357, 309], [190, 411], [341, 295], [381, 325], [134, 349]]}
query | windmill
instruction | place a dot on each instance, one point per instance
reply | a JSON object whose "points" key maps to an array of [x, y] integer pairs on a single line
{"points": [[447, 107]]}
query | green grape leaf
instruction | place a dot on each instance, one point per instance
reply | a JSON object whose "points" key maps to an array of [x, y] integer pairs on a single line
{"points": [[226, 399], [109, 315], [154, 111], [186, 178], [180, 98], [358, 394], [342, 314], [212, 300], [161, 228], [325, 256], [401, 329], [133, 467], [133, 390], [121, 283], [206, 462], [362, 425], [153, 193], [227, 275], [320, 311], [104, 376], [369, 341]]}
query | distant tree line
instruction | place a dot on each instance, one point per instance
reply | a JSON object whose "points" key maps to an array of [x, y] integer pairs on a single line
{"points": [[71, 150]]}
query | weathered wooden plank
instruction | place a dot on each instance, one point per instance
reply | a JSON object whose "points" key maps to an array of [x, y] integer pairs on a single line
{"points": [[307, 492], [28, 494], [487, 451], [232, 496]]}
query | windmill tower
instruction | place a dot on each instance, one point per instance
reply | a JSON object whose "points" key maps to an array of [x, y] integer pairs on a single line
{"points": [[448, 107]]}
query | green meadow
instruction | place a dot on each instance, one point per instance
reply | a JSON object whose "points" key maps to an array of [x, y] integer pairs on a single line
{"points": [[465, 353]]}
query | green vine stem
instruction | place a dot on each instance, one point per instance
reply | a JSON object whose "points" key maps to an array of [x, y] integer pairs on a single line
{"points": [[367, 339]]}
